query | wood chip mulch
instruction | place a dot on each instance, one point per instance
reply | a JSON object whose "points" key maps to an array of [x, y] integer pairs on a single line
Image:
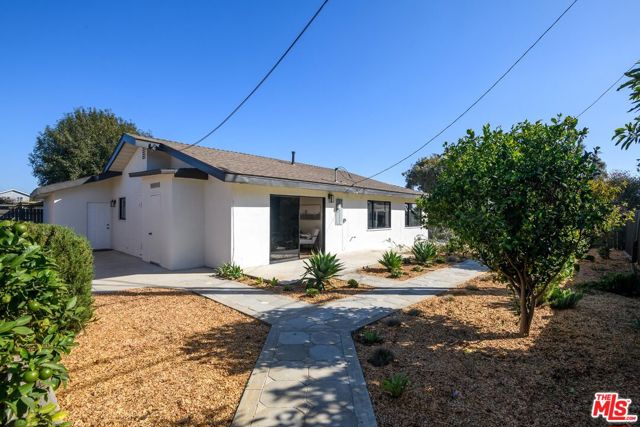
{"points": [[408, 270], [337, 289], [468, 366], [160, 357]]}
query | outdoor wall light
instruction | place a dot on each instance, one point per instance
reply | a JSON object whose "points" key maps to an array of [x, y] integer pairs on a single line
{"points": [[113, 203], [330, 197]]}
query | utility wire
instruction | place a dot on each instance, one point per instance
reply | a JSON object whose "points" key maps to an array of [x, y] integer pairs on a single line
{"points": [[607, 90], [485, 93], [266, 76]]}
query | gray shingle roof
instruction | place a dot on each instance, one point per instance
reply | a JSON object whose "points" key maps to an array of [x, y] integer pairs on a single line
{"points": [[232, 162]]}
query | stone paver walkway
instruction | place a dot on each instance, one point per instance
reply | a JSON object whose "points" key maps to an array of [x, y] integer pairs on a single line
{"points": [[308, 373]]}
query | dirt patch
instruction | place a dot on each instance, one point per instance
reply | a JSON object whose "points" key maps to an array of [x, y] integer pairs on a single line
{"points": [[593, 270], [408, 270], [160, 357], [467, 365], [336, 289]]}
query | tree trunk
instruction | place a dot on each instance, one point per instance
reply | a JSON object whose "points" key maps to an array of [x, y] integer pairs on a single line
{"points": [[526, 311]]}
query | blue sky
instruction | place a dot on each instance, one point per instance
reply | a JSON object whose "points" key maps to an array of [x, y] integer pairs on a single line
{"points": [[370, 81]]}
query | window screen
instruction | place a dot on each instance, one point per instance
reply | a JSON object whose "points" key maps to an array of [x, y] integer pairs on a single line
{"points": [[379, 214]]}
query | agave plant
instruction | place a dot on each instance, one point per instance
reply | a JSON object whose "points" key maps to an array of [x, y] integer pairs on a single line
{"points": [[392, 261], [320, 268], [424, 252]]}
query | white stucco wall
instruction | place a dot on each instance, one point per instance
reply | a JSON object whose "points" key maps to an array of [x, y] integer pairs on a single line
{"points": [[69, 207], [218, 200], [250, 211]]}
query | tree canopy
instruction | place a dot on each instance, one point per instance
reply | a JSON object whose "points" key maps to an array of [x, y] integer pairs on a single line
{"points": [[630, 133], [527, 201], [78, 145], [422, 175]]}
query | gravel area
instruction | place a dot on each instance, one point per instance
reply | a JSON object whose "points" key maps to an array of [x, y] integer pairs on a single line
{"points": [[467, 365], [160, 357], [337, 289]]}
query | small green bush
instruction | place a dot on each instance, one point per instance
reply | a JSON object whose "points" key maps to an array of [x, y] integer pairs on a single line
{"points": [[274, 282], [381, 357], [424, 252], [370, 337], [287, 288], [626, 284], [259, 281], [392, 261], [471, 287], [230, 271], [320, 268], [418, 268], [562, 299], [73, 257], [312, 292], [38, 319], [604, 252], [395, 385], [353, 283]]}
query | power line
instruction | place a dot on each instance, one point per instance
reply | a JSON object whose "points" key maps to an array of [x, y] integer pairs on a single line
{"points": [[485, 93], [606, 91], [266, 76]]}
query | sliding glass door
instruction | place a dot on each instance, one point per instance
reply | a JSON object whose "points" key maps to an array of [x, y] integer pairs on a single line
{"points": [[285, 228]]}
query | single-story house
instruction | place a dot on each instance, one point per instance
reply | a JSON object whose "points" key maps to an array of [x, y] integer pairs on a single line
{"points": [[14, 196], [184, 207]]}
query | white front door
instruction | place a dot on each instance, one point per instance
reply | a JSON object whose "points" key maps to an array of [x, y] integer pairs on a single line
{"points": [[99, 225], [153, 241]]}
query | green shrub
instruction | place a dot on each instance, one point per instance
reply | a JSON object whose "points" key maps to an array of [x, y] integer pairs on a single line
{"points": [[392, 261], [424, 252], [259, 281], [320, 268], [561, 299], [395, 385], [73, 257], [626, 284], [287, 288], [604, 252], [353, 283], [418, 268], [370, 337], [274, 282], [312, 292], [381, 357], [230, 271], [38, 318], [471, 287]]}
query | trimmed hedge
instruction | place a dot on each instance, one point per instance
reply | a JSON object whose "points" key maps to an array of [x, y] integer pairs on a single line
{"points": [[73, 255]]}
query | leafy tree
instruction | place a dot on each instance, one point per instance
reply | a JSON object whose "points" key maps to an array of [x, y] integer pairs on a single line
{"points": [[630, 133], [629, 197], [423, 173], [528, 202], [78, 145]]}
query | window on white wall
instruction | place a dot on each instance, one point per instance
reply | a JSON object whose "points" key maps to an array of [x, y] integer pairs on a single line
{"points": [[122, 208], [339, 215], [379, 214], [412, 215]]}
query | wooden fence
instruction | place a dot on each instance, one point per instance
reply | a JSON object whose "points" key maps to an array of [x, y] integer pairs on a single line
{"points": [[29, 213]]}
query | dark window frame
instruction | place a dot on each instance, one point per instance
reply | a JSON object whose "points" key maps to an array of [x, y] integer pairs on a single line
{"points": [[373, 222], [410, 208], [122, 208]]}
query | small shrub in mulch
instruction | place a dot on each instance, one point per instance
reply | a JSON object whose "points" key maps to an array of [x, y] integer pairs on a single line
{"points": [[590, 258], [395, 385], [352, 283], [414, 312], [312, 292], [471, 287], [448, 298], [626, 284], [381, 357], [370, 337], [562, 299]]}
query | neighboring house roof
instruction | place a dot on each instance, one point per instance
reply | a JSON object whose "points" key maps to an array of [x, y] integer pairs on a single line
{"points": [[11, 190], [231, 166]]}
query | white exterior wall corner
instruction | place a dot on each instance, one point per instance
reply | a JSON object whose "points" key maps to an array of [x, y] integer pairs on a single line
{"points": [[218, 225]]}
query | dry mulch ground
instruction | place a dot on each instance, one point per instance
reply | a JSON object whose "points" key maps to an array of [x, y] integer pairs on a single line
{"points": [[466, 341], [335, 290], [408, 270], [160, 357]]}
